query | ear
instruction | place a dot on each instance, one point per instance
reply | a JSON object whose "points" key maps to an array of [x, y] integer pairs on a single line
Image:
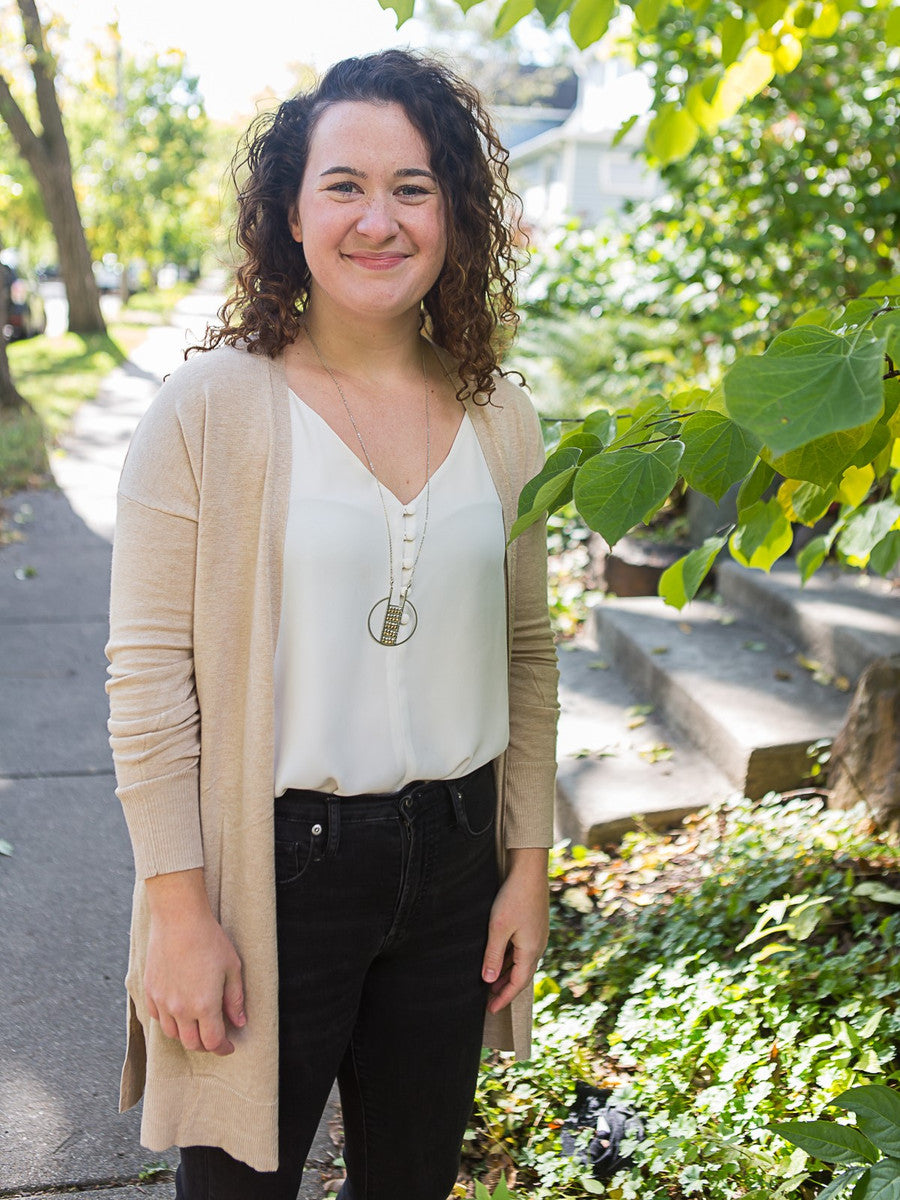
{"points": [[294, 226]]}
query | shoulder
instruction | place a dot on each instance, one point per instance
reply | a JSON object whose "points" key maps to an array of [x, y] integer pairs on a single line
{"points": [[216, 407], [512, 419], [218, 388], [223, 376]]}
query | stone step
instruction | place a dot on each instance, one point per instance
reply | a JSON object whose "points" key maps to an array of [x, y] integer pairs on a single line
{"points": [[737, 692], [619, 767], [842, 620]]}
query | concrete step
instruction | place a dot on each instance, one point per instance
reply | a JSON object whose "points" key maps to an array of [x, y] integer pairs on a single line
{"points": [[842, 620], [738, 693], [620, 767]]}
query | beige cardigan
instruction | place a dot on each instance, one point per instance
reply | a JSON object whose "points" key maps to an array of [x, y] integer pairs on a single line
{"points": [[196, 598]]}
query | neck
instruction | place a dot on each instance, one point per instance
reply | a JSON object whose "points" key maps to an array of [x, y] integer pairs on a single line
{"points": [[357, 347]]}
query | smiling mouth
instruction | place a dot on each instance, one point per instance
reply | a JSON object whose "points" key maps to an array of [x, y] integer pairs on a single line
{"points": [[376, 262]]}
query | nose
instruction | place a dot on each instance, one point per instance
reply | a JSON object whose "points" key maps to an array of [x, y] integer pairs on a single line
{"points": [[377, 222]]}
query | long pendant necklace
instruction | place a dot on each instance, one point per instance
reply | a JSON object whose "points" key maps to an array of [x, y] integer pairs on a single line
{"points": [[397, 617]]}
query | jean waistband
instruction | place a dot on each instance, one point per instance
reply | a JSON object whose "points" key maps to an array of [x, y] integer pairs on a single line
{"points": [[370, 805]]}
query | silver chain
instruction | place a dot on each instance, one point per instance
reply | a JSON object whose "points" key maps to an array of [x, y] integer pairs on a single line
{"points": [[387, 520]]}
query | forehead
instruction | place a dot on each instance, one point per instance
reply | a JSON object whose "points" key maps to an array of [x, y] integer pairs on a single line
{"points": [[355, 132]]}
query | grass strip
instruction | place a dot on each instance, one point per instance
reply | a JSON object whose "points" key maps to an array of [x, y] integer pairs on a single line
{"points": [[56, 375]]}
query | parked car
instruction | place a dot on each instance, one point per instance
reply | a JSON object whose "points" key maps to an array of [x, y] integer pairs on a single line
{"points": [[25, 315], [108, 272]]}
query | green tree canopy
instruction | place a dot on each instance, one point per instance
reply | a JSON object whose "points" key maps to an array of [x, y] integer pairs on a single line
{"points": [[733, 51], [143, 176]]}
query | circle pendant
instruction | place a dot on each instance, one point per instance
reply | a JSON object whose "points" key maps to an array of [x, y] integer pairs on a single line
{"points": [[386, 623]]}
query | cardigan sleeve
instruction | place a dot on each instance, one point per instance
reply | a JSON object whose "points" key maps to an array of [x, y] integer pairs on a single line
{"points": [[154, 720], [533, 677]]}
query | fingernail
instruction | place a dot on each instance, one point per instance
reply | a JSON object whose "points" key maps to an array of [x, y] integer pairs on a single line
{"points": [[489, 975]]}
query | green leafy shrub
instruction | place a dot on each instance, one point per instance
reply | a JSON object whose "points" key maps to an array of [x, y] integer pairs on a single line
{"points": [[740, 972]]}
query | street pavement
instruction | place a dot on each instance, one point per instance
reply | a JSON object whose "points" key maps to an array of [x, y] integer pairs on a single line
{"points": [[65, 889]]}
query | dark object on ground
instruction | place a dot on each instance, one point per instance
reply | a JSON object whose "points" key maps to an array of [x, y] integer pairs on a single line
{"points": [[865, 757], [609, 1123]]}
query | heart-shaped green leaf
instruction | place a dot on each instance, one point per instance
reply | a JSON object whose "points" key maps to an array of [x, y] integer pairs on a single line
{"points": [[810, 382], [589, 20], [559, 461], [717, 453], [616, 490], [763, 536], [866, 527], [823, 460], [510, 14], [601, 424], [403, 9], [681, 582], [754, 487]]}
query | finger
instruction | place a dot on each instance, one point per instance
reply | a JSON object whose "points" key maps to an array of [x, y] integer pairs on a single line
{"points": [[233, 999], [151, 1007], [516, 981], [189, 1035], [501, 981], [212, 1035], [494, 954], [168, 1025]]}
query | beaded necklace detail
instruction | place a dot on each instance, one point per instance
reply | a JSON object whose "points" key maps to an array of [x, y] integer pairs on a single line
{"points": [[397, 617]]}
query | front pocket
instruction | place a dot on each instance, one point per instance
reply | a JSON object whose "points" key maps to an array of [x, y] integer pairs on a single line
{"points": [[477, 804], [296, 847]]}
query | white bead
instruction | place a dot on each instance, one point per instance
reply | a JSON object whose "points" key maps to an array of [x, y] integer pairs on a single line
{"points": [[407, 564], [409, 510], [404, 620]]}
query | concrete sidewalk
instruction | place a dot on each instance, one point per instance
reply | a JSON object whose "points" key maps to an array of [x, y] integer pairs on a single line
{"points": [[65, 890]]}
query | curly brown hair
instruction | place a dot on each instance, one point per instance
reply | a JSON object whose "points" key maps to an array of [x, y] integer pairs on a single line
{"points": [[469, 310]]}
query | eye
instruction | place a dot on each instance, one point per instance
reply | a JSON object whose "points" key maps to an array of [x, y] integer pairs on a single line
{"points": [[344, 187], [412, 191]]}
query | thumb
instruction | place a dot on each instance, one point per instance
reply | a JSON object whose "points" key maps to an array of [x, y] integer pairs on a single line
{"points": [[494, 954], [233, 998]]}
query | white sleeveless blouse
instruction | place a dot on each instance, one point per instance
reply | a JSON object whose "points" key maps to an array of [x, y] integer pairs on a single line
{"points": [[354, 716]]}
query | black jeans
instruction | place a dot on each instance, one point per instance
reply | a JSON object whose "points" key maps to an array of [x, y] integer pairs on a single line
{"points": [[383, 907]]}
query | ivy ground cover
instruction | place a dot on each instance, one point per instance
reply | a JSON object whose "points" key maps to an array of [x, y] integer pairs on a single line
{"points": [[740, 972]]}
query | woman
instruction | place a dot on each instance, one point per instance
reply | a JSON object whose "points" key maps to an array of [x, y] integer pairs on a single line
{"points": [[312, 598]]}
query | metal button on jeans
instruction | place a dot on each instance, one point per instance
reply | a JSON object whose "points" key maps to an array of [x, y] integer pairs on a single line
{"points": [[316, 829]]}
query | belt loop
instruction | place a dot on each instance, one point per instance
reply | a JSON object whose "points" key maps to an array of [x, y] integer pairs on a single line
{"points": [[334, 825]]}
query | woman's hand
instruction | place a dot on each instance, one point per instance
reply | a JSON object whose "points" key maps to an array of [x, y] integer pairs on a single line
{"points": [[192, 977], [517, 932]]}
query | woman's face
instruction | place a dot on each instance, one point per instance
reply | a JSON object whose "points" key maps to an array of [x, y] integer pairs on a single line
{"points": [[369, 213]]}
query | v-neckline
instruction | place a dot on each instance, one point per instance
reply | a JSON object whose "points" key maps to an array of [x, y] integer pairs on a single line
{"points": [[363, 467]]}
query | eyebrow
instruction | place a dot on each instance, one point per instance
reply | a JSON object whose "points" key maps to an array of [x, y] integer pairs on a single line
{"points": [[403, 173]]}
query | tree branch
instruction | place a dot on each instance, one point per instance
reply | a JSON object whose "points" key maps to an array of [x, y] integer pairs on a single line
{"points": [[43, 68], [26, 139]]}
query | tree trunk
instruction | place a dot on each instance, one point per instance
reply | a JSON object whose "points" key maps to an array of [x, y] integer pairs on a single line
{"points": [[865, 757], [11, 400], [47, 154], [74, 257]]}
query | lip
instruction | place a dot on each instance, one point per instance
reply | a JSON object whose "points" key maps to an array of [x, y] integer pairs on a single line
{"points": [[376, 262]]}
